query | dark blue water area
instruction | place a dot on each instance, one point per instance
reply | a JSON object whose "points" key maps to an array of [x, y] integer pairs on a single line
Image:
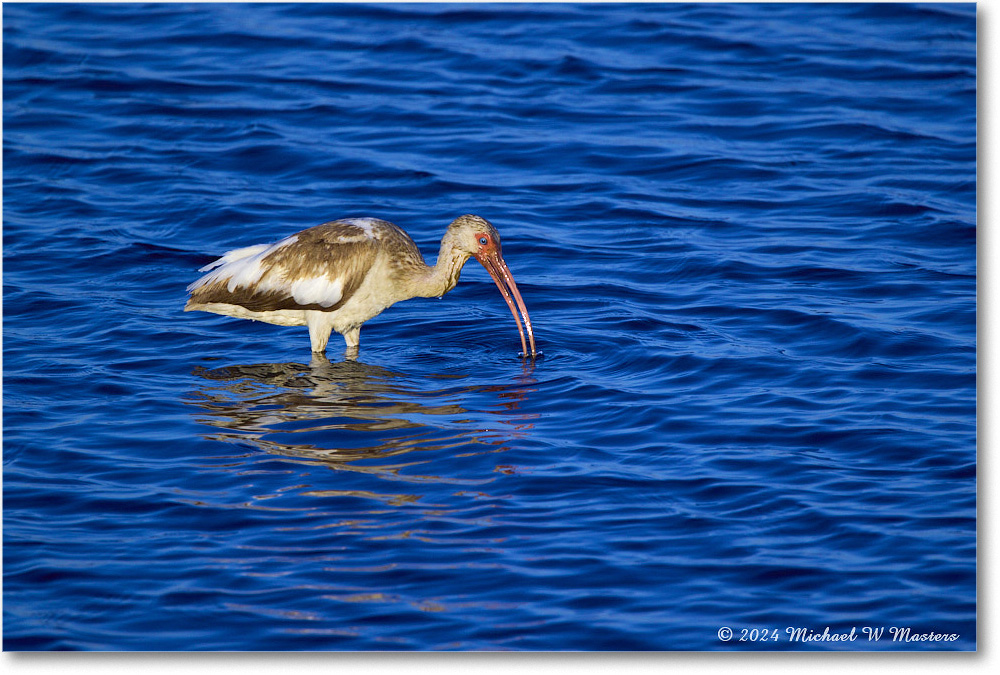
{"points": [[746, 236]]}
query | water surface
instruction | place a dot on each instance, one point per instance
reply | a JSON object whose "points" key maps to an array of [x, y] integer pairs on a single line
{"points": [[746, 236]]}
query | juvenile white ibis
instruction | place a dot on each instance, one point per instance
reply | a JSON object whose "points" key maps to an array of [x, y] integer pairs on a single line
{"points": [[338, 275]]}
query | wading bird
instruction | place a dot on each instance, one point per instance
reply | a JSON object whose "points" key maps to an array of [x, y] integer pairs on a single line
{"points": [[338, 275]]}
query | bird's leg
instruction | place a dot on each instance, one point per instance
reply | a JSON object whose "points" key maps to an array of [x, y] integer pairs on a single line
{"points": [[352, 338], [319, 330]]}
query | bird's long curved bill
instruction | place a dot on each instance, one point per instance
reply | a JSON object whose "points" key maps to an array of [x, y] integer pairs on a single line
{"points": [[498, 269]]}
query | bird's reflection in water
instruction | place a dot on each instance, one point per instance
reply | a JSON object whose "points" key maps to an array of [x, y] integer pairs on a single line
{"points": [[353, 416]]}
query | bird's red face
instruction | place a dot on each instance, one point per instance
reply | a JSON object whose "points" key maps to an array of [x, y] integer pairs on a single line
{"points": [[489, 255], [487, 244]]}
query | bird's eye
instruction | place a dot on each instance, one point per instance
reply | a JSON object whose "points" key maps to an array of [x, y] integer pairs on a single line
{"points": [[483, 241]]}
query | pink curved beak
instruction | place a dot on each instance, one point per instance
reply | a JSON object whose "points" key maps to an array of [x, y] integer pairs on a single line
{"points": [[495, 265]]}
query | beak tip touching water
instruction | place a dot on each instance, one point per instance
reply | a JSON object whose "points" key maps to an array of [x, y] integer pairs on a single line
{"points": [[502, 277]]}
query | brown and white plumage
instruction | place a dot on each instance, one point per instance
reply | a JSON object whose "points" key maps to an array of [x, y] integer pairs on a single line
{"points": [[338, 275]]}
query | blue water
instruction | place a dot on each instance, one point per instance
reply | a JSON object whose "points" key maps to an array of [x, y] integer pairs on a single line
{"points": [[746, 235]]}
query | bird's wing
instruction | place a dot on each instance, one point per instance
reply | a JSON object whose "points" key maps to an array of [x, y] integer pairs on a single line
{"points": [[319, 268]]}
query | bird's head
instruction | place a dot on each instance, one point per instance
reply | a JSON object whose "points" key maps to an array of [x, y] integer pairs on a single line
{"points": [[473, 235], [477, 237]]}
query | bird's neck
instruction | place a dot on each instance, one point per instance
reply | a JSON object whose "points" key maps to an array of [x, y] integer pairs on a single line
{"points": [[443, 276]]}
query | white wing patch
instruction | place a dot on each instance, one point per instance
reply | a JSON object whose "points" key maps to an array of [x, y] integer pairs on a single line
{"points": [[241, 266], [244, 267], [317, 291], [237, 254], [366, 225]]}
